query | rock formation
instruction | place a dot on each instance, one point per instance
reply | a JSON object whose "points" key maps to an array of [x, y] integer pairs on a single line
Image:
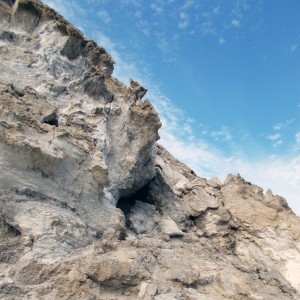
{"points": [[91, 207]]}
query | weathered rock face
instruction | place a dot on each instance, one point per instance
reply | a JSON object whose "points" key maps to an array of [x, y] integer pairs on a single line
{"points": [[92, 208]]}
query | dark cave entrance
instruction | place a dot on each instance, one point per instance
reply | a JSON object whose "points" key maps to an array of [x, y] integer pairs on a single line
{"points": [[52, 119], [125, 203]]}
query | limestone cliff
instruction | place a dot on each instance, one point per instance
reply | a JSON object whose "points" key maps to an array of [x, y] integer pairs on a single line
{"points": [[92, 208]]}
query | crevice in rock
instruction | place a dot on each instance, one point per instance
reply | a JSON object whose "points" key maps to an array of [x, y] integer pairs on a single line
{"points": [[233, 228], [52, 119], [125, 203], [16, 92], [8, 36], [96, 88], [8, 229], [13, 230], [32, 195], [159, 167], [115, 285], [27, 13], [190, 222], [73, 47], [9, 2]]}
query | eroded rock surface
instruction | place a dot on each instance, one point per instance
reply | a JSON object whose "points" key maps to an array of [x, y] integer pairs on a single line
{"points": [[92, 208]]}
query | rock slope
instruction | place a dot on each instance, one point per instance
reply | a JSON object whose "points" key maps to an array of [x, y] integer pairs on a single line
{"points": [[91, 207]]}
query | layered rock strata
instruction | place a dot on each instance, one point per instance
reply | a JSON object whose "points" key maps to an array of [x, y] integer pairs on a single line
{"points": [[92, 208]]}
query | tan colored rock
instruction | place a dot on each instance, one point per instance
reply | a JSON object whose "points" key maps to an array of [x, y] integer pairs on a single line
{"points": [[91, 207], [147, 291], [170, 228]]}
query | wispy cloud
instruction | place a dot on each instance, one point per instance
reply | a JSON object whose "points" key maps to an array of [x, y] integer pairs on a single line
{"points": [[278, 143], [274, 136], [188, 4], [59, 6], [138, 14], [144, 27], [293, 47], [131, 2], [236, 22], [222, 41], [295, 44], [208, 28], [71, 10], [284, 124], [222, 135], [163, 44], [157, 8], [184, 14], [216, 10], [241, 7], [297, 137], [278, 126], [104, 15], [184, 20]]}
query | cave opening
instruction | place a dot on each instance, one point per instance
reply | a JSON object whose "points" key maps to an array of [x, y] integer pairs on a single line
{"points": [[52, 119], [126, 202]]}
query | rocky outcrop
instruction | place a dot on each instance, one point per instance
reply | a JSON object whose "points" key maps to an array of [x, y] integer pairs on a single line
{"points": [[92, 208]]}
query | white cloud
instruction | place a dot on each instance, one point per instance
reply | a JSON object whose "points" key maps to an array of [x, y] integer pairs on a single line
{"points": [[293, 47], [131, 2], [188, 4], [296, 146], [278, 126], [104, 15], [277, 143], [184, 20], [58, 6], [216, 10], [240, 7], [236, 22], [297, 137], [284, 124], [163, 44], [274, 136], [71, 10], [170, 60], [144, 27], [222, 41], [222, 135], [208, 28], [158, 9], [138, 14], [182, 24]]}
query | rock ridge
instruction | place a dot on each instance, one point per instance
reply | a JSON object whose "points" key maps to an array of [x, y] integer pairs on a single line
{"points": [[92, 207]]}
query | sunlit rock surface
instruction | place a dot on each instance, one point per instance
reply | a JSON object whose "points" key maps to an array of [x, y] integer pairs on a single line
{"points": [[92, 208]]}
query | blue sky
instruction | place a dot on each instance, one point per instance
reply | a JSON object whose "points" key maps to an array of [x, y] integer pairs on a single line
{"points": [[224, 76]]}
